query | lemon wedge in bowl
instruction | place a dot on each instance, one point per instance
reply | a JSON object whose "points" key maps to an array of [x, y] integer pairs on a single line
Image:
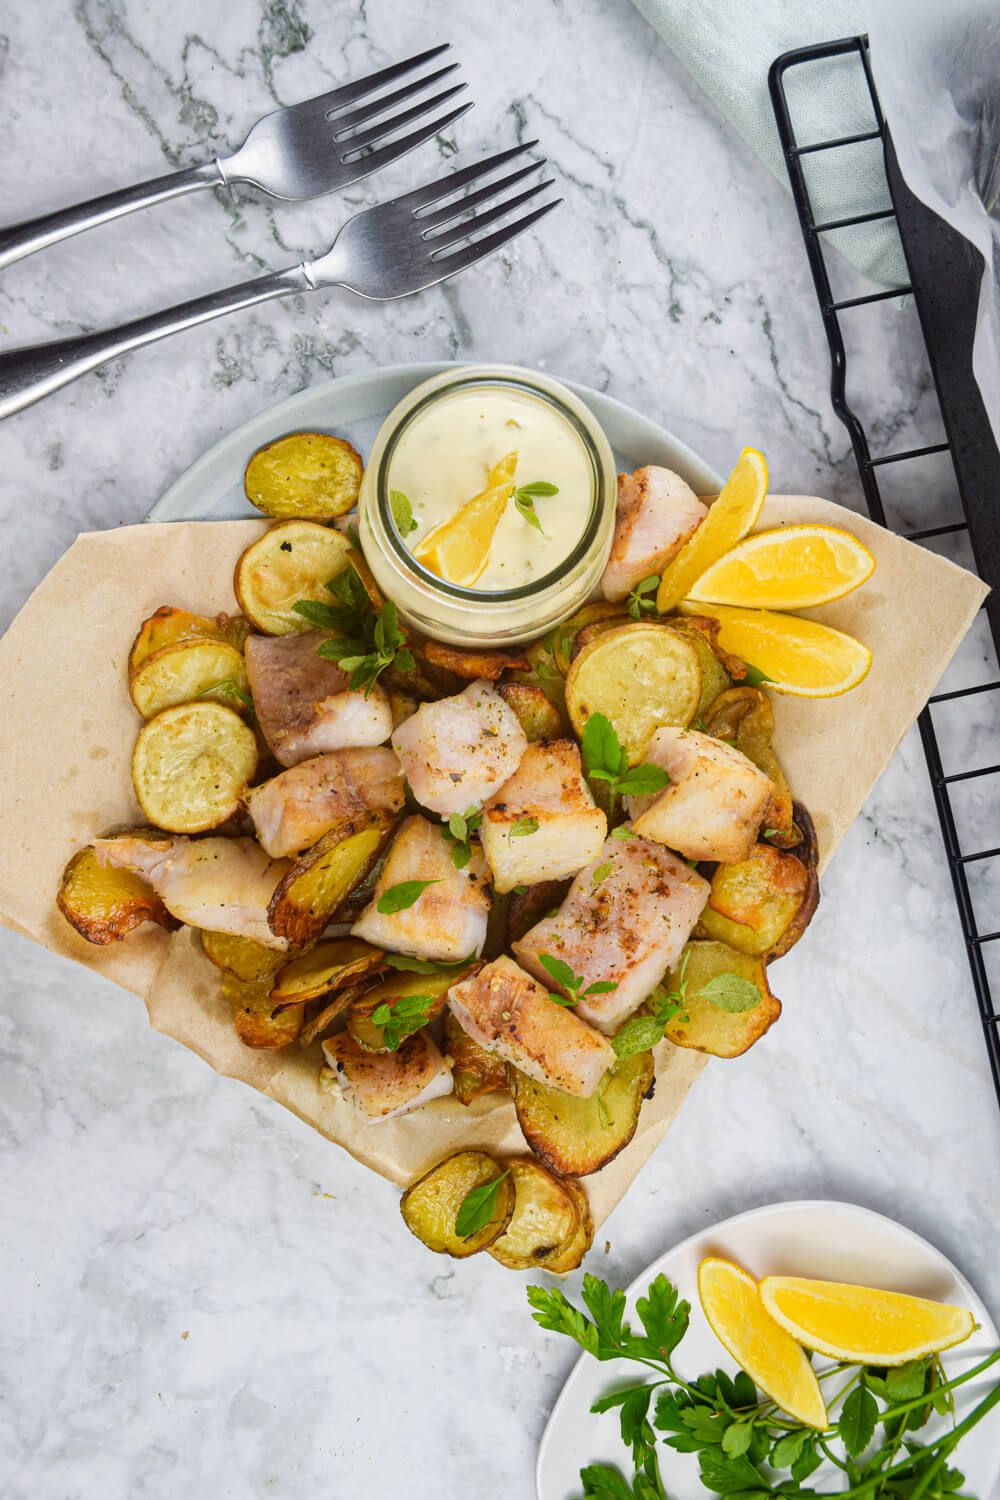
{"points": [[458, 549], [861, 1324], [771, 1357], [793, 567], [800, 657], [729, 519]]}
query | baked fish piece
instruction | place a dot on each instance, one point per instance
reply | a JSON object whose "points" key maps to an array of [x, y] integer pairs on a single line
{"points": [[305, 704], [657, 513], [458, 751], [508, 1012], [293, 810], [714, 802], [624, 922], [543, 824], [385, 1084]]}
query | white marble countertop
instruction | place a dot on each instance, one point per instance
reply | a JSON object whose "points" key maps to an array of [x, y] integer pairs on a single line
{"points": [[199, 1295]]}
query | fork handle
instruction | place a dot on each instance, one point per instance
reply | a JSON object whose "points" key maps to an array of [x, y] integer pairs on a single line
{"points": [[34, 234], [29, 373]]}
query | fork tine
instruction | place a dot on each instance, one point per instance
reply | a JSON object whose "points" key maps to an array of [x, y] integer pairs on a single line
{"points": [[395, 149], [450, 265], [347, 93], [376, 133], [444, 188], [492, 190], [378, 106], [459, 232]]}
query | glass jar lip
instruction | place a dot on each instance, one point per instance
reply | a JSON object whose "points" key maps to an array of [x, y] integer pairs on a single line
{"points": [[555, 575]]}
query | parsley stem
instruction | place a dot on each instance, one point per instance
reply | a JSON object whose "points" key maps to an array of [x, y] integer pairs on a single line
{"points": [[832, 1456], [949, 1385]]}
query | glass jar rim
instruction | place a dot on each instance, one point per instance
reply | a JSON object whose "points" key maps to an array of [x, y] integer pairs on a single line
{"points": [[457, 591]]}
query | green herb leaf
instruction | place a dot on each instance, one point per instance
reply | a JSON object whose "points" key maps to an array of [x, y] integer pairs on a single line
{"points": [[602, 872], [640, 1034], [323, 616], [601, 1482], [906, 1382], [459, 830], [365, 642], [400, 1017], [754, 677], [731, 992], [602, 753], [787, 1449], [640, 781], [623, 831], [400, 897], [526, 508], [402, 512], [231, 690], [553, 1310], [478, 1207], [523, 827], [857, 1420], [559, 970], [538, 488], [736, 1438], [638, 602], [524, 500]]}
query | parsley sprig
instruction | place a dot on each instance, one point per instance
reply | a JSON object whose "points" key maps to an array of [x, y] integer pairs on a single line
{"points": [[728, 991], [400, 1017], [744, 1444], [525, 497], [639, 601], [560, 971], [604, 759], [365, 642]]}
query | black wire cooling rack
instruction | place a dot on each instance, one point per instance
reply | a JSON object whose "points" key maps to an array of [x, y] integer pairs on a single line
{"points": [[944, 275]]}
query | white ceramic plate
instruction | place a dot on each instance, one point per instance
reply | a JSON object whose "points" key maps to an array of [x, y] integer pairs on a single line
{"points": [[354, 406], [831, 1241]]}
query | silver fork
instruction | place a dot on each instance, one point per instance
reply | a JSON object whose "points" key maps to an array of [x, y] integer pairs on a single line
{"points": [[300, 152], [385, 252]]}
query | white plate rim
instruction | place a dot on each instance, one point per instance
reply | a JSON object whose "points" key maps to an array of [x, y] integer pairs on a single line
{"points": [[735, 1222], [370, 385]]}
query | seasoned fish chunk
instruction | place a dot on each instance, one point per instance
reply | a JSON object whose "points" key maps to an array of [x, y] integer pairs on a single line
{"points": [[458, 751], [657, 512], [624, 921], [547, 790], [714, 803], [509, 1013], [448, 919], [293, 810], [305, 704], [221, 885], [384, 1084]]}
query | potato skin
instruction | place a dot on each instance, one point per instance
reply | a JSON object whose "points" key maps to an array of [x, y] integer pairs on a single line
{"points": [[764, 904], [293, 560], [308, 895], [544, 1223], [104, 904], [571, 1135], [310, 475], [572, 1255]]}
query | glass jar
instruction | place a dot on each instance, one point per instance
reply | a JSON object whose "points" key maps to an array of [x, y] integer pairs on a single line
{"points": [[478, 617]]}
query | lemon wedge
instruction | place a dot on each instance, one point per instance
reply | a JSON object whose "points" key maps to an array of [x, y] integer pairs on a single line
{"points": [[861, 1324], [729, 519], [800, 657], [458, 549], [794, 567], [770, 1356]]}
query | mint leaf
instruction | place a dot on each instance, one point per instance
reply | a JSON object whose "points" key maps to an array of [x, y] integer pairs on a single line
{"points": [[640, 1034], [402, 896], [730, 992], [402, 512], [478, 1207], [602, 754]]}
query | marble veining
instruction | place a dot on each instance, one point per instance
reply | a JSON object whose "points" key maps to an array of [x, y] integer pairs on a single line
{"points": [[200, 1295]]}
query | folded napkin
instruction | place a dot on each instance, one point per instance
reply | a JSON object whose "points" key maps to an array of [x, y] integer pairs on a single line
{"points": [[728, 48]]}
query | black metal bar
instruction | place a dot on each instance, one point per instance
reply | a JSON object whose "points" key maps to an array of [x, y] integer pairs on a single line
{"points": [[898, 458], [876, 213], [867, 469], [971, 775], [921, 536], [893, 291]]}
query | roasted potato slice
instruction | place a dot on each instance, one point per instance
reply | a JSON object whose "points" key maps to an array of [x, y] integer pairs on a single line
{"points": [[307, 897], [714, 677], [402, 986], [544, 1222], [571, 1256], [745, 717], [104, 904], [334, 1005], [168, 626], [329, 966], [530, 904], [240, 956], [191, 766], [190, 670], [312, 475], [291, 561], [471, 665], [402, 706], [703, 1025], [258, 1024], [575, 1136], [640, 677], [565, 635], [537, 715], [762, 905], [476, 1071], [430, 1205]]}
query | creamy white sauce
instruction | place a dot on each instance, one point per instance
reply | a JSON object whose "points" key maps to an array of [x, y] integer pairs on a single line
{"points": [[446, 453]]}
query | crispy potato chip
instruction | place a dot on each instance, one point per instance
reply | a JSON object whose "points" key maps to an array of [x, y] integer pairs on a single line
{"points": [[257, 1022], [430, 1205], [702, 1024], [326, 967], [530, 904], [333, 1005], [241, 956], [308, 896], [476, 1071], [105, 904], [544, 1222], [293, 560], [168, 626], [537, 715], [575, 1136], [306, 474], [640, 677], [191, 766], [764, 904], [190, 670], [471, 665], [572, 1254], [400, 986]]}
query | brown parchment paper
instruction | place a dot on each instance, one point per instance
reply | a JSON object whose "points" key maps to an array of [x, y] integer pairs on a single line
{"points": [[68, 728]]}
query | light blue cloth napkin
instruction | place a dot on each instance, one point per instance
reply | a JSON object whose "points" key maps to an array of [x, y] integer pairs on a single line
{"points": [[728, 46]]}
